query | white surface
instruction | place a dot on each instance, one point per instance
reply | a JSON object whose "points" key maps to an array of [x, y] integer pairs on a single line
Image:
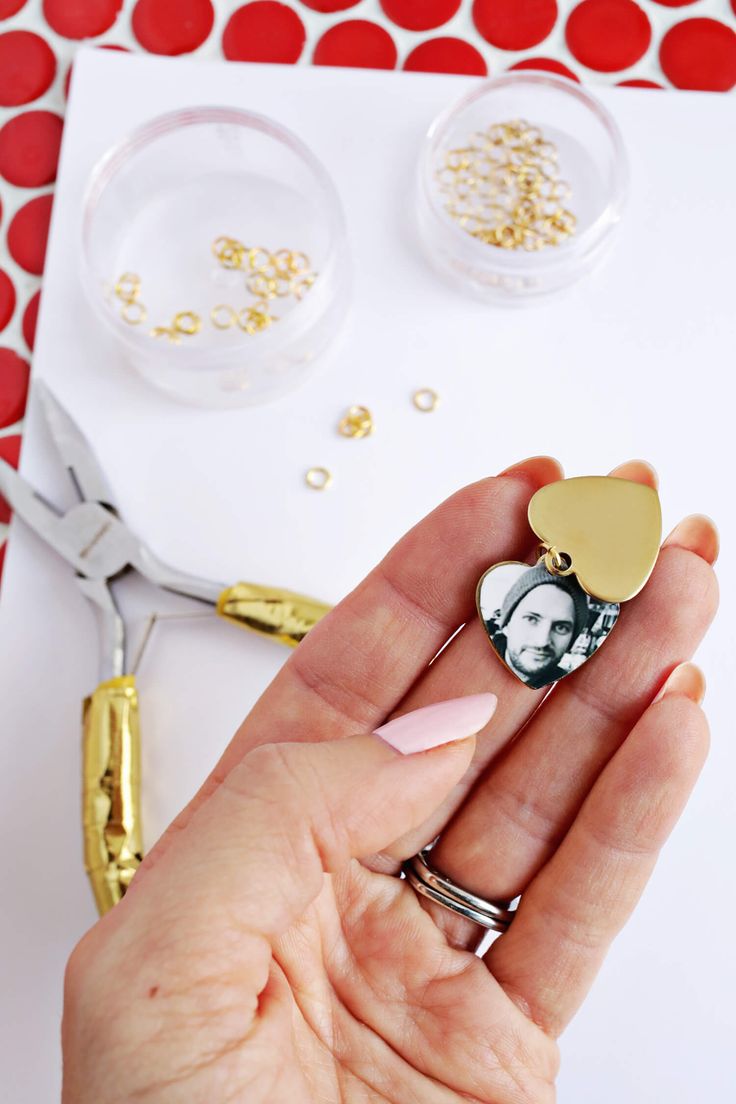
{"points": [[636, 361]]}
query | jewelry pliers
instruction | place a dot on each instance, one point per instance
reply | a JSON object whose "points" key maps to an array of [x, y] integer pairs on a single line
{"points": [[101, 548]]}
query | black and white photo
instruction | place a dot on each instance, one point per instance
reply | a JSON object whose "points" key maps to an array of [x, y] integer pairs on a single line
{"points": [[541, 625]]}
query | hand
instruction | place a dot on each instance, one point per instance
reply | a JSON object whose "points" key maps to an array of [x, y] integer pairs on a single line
{"points": [[268, 953]]}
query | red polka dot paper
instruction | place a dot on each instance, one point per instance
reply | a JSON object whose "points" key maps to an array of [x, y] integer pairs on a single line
{"points": [[654, 44]]}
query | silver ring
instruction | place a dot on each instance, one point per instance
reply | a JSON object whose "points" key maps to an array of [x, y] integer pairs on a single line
{"points": [[428, 881]]}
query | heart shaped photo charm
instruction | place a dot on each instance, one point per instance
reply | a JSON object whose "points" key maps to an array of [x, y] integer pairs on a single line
{"points": [[541, 625]]}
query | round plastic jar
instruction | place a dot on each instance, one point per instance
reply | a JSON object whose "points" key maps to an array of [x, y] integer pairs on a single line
{"points": [[206, 322], [590, 158]]}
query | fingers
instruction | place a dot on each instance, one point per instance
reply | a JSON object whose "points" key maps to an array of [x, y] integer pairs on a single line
{"points": [[467, 665], [289, 813], [357, 664], [697, 533], [522, 808], [581, 899]]}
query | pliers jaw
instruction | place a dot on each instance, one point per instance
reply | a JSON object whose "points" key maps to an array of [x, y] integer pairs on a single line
{"points": [[90, 536]]}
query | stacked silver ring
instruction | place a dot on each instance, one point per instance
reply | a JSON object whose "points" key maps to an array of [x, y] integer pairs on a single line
{"points": [[428, 881]]}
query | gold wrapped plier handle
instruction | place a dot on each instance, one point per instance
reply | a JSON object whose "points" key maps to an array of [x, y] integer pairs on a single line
{"points": [[111, 748], [111, 775]]}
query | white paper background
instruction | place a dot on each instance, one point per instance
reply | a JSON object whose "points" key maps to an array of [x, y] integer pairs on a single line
{"points": [[637, 361]]}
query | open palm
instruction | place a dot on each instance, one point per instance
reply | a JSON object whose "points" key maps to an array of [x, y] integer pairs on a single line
{"points": [[267, 950]]}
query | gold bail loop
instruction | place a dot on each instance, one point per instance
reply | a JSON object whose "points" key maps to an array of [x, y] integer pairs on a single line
{"points": [[556, 562]]}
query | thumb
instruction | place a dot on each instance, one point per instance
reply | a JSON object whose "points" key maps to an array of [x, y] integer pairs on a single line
{"points": [[290, 812]]}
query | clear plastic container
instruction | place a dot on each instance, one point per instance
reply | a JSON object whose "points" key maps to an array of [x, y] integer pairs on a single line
{"points": [[590, 157], [155, 205]]}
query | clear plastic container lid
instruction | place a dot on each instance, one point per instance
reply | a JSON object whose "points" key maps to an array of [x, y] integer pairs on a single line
{"points": [[208, 322], [469, 186]]}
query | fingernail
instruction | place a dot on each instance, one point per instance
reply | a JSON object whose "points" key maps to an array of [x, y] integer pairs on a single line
{"points": [[539, 470], [440, 723], [640, 471], [698, 534], [687, 680]]}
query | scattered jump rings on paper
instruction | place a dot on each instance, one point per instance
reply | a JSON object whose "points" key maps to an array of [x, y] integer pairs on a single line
{"points": [[425, 399], [358, 422], [504, 188], [318, 478]]}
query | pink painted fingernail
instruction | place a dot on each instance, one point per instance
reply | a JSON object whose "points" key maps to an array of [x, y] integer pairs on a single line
{"points": [[440, 723]]}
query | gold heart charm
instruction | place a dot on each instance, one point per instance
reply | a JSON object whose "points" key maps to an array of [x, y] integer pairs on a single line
{"points": [[610, 530], [542, 626]]}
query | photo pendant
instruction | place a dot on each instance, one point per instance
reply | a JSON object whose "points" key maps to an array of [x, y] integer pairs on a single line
{"points": [[542, 625]]}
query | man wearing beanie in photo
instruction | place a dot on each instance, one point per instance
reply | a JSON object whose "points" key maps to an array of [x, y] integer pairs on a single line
{"points": [[541, 617]]}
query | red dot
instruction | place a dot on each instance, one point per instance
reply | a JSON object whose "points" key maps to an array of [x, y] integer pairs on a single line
{"points": [[10, 452], [10, 7], [357, 43], [29, 148], [264, 31], [83, 19], [700, 54], [676, 3], [2, 558], [514, 26], [168, 27], [14, 377], [27, 67], [28, 233], [608, 34], [7, 302], [446, 55], [420, 15], [547, 65], [639, 82], [329, 5], [30, 318]]}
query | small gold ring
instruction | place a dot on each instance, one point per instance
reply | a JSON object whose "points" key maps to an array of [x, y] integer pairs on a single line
{"points": [[133, 312], [301, 284], [261, 285], [223, 316], [229, 252], [425, 399], [358, 422], [128, 287], [554, 561], [299, 264], [282, 286], [187, 322], [318, 479], [258, 258], [255, 318]]}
